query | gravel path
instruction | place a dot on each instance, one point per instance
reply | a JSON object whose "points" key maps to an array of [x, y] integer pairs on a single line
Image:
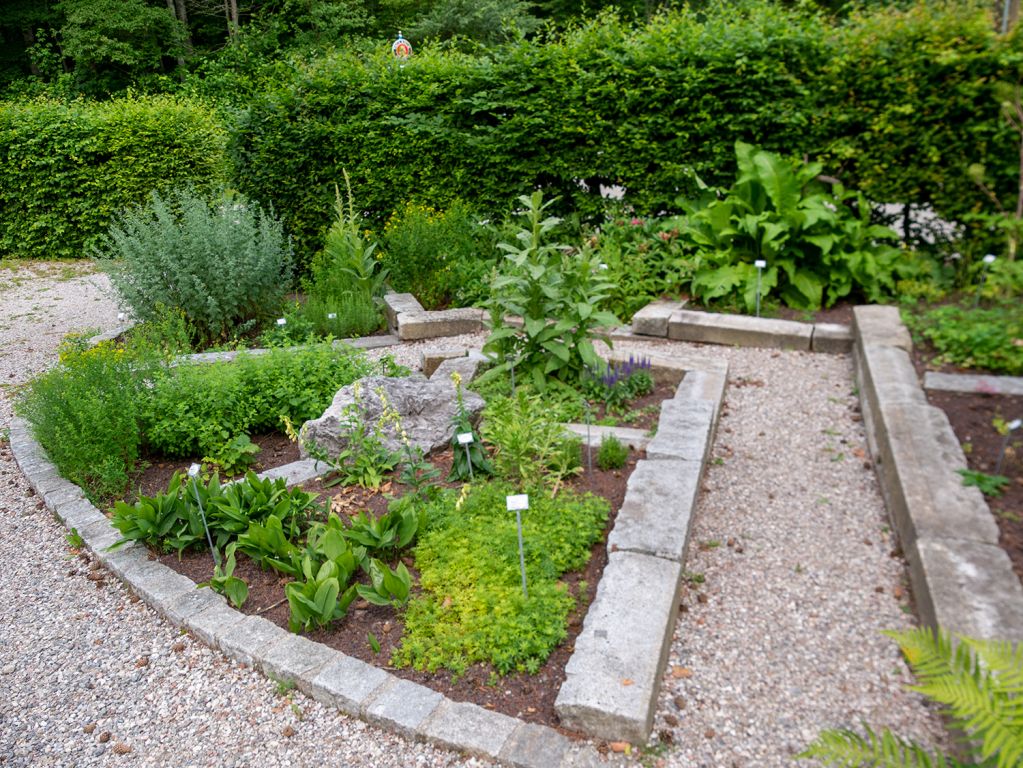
{"points": [[779, 639]]}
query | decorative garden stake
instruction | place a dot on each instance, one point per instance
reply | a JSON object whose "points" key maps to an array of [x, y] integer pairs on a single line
{"points": [[988, 261], [401, 48], [193, 472], [518, 503], [759, 264], [465, 438], [1011, 427]]}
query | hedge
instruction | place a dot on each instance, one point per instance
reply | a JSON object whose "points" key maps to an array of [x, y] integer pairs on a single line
{"points": [[898, 102], [65, 169]]}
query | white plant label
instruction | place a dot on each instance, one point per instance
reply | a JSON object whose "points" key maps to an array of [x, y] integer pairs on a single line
{"points": [[989, 259], [193, 471], [518, 502], [332, 315], [465, 438], [120, 316], [1015, 424], [281, 321], [760, 264]]}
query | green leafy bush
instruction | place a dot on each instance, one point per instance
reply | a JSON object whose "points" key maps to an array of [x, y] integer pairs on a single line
{"points": [[558, 295], [226, 265], [977, 682], [471, 608], [441, 257], [815, 248], [988, 338], [66, 170], [612, 454]]}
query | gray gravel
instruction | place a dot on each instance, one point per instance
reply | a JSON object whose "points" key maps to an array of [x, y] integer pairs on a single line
{"points": [[780, 639]]}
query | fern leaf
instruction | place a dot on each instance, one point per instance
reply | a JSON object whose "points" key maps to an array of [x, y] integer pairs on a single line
{"points": [[847, 749]]}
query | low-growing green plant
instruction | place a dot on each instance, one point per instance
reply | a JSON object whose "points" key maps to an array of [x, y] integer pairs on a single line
{"points": [[612, 454], [989, 485], [323, 597], [226, 583], [557, 292], [471, 608], [978, 684], [167, 521], [988, 338], [266, 544], [387, 586], [234, 456], [387, 534], [224, 263], [74, 539]]}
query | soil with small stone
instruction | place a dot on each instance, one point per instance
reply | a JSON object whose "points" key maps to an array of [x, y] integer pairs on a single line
{"points": [[972, 415], [526, 696]]}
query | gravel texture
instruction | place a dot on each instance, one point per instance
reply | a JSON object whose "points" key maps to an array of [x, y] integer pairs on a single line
{"points": [[779, 640]]}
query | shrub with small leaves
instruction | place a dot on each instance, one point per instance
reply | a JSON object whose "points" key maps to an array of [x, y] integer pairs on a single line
{"points": [[613, 453]]}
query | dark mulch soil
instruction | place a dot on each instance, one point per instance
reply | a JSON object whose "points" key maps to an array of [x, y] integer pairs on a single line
{"points": [[971, 416], [643, 412], [530, 697]]}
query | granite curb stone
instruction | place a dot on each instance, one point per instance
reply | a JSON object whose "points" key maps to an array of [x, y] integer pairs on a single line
{"points": [[418, 325], [296, 659], [968, 383], [831, 338], [347, 683], [739, 330], [401, 705], [461, 725], [685, 430], [652, 320], [249, 639]]}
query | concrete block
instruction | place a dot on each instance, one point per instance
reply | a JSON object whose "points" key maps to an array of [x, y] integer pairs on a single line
{"points": [[249, 639], [214, 623], [158, 585], [347, 683], [611, 681], [882, 326], [739, 330], [413, 326], [831, 338], [967, 587], [652, 320], [431, 359], [180, 610], [685, 430], [919, 456], [971, 382], [467, 368], [886, 376], [464, 726], [297, 471], [402, 706], [657, 512], [636, 439], [296, 659], [397, 303], [534, 746]]}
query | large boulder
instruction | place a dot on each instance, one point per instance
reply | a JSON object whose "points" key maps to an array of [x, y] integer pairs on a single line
{"points": [[426, 409]]}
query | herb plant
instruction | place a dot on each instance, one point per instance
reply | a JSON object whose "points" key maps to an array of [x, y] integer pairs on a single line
{"points": [[612, 454], [616, 384]]}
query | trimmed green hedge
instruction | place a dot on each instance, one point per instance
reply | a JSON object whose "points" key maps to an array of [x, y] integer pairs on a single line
{"points": [[898, 103], [65, 169]]}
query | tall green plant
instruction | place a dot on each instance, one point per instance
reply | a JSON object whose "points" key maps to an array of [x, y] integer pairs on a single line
{"points": [[815, 247], [558, 293], [979, 684]]}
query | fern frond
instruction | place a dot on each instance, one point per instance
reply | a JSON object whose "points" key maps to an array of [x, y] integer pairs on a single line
{"points": [[847, 749]]}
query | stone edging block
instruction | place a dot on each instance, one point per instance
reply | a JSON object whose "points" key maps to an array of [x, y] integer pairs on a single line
{"points": [[739, 330], [416, 325], [962, 581], [655, 517], [965, 382], [652, 320]]}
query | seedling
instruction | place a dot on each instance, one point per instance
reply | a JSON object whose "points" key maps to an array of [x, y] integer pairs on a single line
{"points": [[989, 485], [374, 644]]}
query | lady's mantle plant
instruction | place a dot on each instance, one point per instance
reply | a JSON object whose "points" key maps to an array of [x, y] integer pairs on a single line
{"points": [[557, 291]]}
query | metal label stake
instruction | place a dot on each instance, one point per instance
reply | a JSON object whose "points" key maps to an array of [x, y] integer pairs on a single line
{"points": [[1012, 426], [988, 261], [193, 472], [759, 264], [465, 438], [518, 503], [589, 444]]}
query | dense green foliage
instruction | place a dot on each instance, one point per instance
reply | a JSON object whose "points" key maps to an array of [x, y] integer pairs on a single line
{"points": [[67, 169], [225, 265], [988, 338], [979, 685], [471, 608]]}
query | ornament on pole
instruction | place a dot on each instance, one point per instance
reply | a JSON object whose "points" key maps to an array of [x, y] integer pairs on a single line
{"points": [[401, 48]]}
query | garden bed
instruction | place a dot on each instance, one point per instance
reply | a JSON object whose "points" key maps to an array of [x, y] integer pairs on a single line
{"points": [[527, 696]]}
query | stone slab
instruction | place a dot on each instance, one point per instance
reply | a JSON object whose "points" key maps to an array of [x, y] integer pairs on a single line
{"points": [[464, 726], [67, 493], [99, 535], [972, 382], [79, 514], [684, 431], [297, 660], [739, 330], [967, 588], [926, 498], [370, 342], [402, 706], [831, 338], [534, 746], [247, 640], [466, 367], [652, 320], [611, 681], [703, 385], [124, 559], [180, 610], [431, 359], [886, 376], [213, 623], [297, 471], [158, 585], [413, 326], [397, 303], [347, 683], [636, 439], [655, 516], [878, 325]]}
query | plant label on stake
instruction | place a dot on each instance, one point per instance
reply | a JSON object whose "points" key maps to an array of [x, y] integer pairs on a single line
{"points": [[516, 504], [759, 264], [465, 438], [193, 472], [988, 261], [589, 445], [1011, 427], [332, 315], [120, 317], [282, 321]]}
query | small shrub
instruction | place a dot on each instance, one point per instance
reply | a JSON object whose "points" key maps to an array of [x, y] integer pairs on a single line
{"points": [[985, 338], [226, 265], [613, 453]]}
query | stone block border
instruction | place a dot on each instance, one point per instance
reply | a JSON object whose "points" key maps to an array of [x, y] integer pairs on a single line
{"points": [[647, 548]]}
